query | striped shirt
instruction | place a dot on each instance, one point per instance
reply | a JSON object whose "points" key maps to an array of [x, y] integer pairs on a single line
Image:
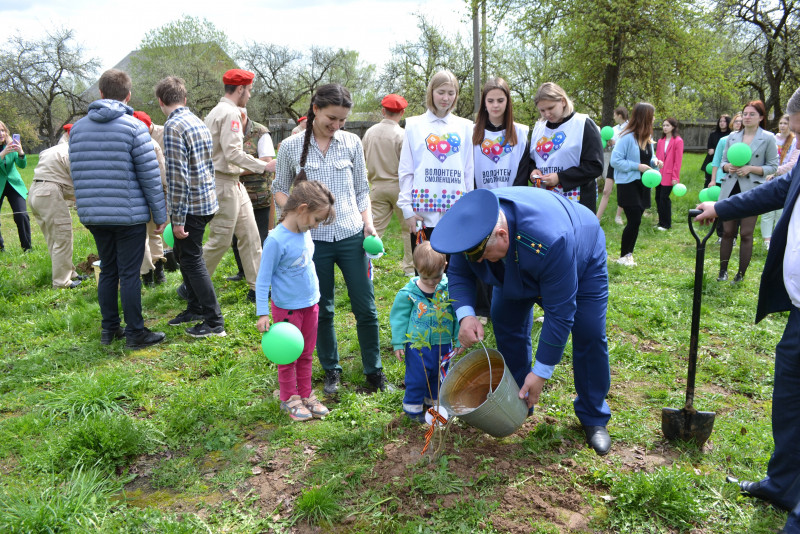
{"points": [[342, 169], [190, 171]]}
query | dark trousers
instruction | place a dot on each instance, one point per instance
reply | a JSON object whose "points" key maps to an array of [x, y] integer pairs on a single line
{"points": [[189, 252], [121, 250], [664, 205], [633, 216], [262, 222], [21, 218], [349, 255], [783, 471], [513, 319]]}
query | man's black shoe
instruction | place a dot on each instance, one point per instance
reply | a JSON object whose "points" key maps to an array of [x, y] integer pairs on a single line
{"points": [[251, 295], [73, 284], [147, 278], [158, 275], [107, 336], [185, 317], [597, 437], [238, 277], [144, 339], [760, 490], [377, 381], [171, 263], [332, 381], [183, 292]]}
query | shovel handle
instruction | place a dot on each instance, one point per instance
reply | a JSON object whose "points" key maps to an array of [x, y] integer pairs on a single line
{"points": [[698, 294]]}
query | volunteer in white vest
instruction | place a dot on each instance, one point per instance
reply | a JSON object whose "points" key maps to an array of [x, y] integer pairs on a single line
{"points": [[500, 145], [436, 163], [566, 148], [501, 149]]}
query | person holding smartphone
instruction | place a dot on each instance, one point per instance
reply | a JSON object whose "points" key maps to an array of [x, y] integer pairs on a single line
{"points": [[11, 185]]}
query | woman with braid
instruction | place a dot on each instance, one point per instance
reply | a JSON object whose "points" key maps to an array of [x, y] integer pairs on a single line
{"points": [[326, 153]]}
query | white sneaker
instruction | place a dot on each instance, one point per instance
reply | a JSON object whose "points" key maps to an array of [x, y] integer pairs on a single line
{"points": [[618, 219], [627, 260], [661, 229]]}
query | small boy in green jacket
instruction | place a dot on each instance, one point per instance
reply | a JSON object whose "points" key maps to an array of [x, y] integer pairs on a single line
{"points": [[413, 316]]}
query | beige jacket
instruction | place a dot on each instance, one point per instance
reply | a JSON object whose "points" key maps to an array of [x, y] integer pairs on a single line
{"points": [[225, 123]]}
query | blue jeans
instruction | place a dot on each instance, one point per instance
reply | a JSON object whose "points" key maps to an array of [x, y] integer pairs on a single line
{"points": [[422, 376], [189, 252], [121, 250]]}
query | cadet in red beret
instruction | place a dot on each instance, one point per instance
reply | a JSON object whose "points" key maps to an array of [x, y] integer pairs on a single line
{"points": [[394, 103], [67, 127], [382, 145], [144, 117]]}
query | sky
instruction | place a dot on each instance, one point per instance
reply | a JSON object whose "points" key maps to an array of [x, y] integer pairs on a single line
{"points": [[108, 33]]}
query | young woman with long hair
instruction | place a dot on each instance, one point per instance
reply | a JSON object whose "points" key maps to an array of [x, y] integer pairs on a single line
{"points": [[669, 150], [787, 156], [633, 154], [326, 153]]}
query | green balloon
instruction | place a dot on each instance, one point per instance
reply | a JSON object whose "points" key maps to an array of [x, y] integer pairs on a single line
{"points": [[709, 167], [283, 343], [168, 236], [679, 190], [606, 133], [373, 244], [713, 192], [651, 178], [703, 196], [739, 154]]}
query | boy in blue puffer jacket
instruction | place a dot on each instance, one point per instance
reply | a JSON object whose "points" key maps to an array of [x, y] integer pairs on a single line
{"points": [[413, 316], [117, 186]]}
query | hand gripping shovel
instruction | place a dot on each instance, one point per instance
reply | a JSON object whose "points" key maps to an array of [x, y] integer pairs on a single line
{"points": [[688, 424]]}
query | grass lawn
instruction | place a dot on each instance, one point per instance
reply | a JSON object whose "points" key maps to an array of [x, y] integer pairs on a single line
{"points": [[188, 437]]}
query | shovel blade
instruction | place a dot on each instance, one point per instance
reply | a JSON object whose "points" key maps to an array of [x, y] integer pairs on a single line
{"points": [[687, 425]]}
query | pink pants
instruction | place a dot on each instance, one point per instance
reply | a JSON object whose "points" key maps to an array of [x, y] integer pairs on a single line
{"points": [[295, 378]]}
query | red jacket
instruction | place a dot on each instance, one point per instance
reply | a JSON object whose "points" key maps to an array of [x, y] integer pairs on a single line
{"points": [[671, 171]]}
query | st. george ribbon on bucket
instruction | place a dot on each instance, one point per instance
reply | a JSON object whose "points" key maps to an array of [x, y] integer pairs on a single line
{"points": [[481, 390]]}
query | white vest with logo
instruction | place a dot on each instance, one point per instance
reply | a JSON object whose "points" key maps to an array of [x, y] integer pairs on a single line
{"points": [[559, 149], [496, 163]]}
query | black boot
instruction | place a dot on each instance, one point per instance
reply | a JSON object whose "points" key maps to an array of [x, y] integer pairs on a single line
{"points": [[377, 381], [158, 275], [171, 261], [147, 278]]}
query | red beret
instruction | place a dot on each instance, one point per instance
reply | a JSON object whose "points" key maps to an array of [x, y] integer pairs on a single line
{"points": [[67, 127], [144, 117], [301, 119], [394, 103], [238, 77]]}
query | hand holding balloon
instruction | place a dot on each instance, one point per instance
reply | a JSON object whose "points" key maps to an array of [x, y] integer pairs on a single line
{"points": [[263, 324]]}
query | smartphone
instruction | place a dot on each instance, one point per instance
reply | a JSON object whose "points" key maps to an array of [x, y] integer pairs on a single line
{"points": [[15, 137]]}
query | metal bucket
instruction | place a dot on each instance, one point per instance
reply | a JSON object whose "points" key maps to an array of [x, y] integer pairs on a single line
{"points": [[481, 390]]}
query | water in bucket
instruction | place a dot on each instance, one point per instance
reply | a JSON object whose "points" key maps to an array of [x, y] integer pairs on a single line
{"points": [[481, 391]]}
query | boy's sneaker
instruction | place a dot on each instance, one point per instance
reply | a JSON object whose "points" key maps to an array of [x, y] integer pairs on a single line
{"points": [[333, 378], [296, 409], [185, 317], [203, 330], [314, 406]]}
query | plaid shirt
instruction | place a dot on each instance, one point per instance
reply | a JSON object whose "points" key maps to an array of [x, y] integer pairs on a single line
{"points": [[342, 169], [190, 172]]}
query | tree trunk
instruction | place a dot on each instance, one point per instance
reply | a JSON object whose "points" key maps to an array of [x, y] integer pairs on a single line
{"points": [[476, 59], [611, 82]]}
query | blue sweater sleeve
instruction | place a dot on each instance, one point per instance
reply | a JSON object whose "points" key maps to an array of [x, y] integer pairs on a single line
{"points": [[270, 257]]}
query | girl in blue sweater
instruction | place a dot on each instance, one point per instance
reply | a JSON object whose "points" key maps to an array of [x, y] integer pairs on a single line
{"points": [[287, 266]]}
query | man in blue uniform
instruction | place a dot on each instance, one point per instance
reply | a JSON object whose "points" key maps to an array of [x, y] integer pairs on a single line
{"points": [[535, 247], [779, 291]]}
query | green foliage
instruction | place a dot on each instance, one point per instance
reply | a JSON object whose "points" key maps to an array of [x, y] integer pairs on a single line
{"points": [[92, 393], [105, 440], [651, 501], [318, 505], [191, 48], [77, 503]]}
